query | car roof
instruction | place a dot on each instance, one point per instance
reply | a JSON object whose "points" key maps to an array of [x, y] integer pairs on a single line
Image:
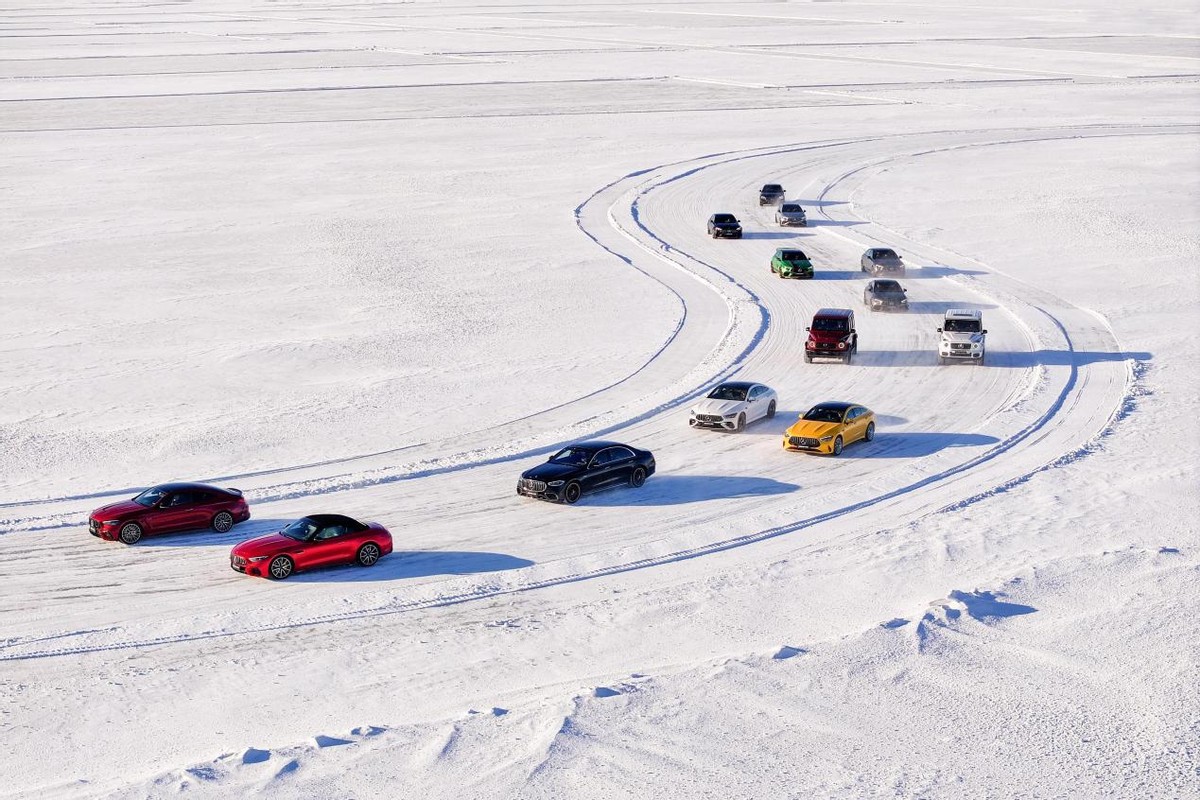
{"points": [[598, 444], [325, 520], [964, 313], [737, 384], [833, 312], [836, 405], [180, 487]]}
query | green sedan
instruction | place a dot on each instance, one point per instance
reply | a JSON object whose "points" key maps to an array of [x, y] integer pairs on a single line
{"points": [[788, 262]]}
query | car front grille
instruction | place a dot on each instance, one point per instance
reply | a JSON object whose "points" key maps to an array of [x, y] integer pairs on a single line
{"points": [[238, 561], [530, 485], [957, 346], [94, 527], [709, 417], [802, 441]]}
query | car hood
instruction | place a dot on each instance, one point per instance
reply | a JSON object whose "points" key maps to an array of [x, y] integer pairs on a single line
{"points": [[878, 295], [267, 545], [711, 405], [727, 224], [961, 336], [551, 472], [813, 429], [117, 510]]}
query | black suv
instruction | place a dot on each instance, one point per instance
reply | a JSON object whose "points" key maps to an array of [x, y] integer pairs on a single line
{"points": [[770, 194], [724, 225], [585, 467], [884, 293]]}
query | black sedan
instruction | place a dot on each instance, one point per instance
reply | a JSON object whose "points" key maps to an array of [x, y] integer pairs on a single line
{"points": [[586, 467], [885, 294], [724, 226]]}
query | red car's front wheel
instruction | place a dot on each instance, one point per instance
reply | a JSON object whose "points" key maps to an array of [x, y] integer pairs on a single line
{"points": [[281, 567], [368, 554], [131, 533]]}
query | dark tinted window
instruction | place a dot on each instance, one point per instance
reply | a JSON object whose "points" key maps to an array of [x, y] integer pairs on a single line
{"points": [[823, 414], [331, 531], [724, 218], [830, 324], [793, 255], [726, 392]]}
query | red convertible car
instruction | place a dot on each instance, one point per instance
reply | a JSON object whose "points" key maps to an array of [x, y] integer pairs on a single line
{"points": [[317, 540], [169, 507]]}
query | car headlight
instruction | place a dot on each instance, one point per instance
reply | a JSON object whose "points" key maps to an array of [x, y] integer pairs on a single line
{"points": [[826, 438], [256, 559], [111, 522], [556, 483]]}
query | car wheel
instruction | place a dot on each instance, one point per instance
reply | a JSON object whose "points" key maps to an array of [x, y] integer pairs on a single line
{"points": [[771, 410], [222, 522], [368, 554], [807, 359], [281, 567], [941, 361], [849, 356], [740, 425], [131, 533], [870, 434], [638, 478], [571, 493], [837, 446]]}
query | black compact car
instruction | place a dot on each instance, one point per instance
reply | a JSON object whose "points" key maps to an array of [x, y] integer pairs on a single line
{"points": [[882, 261], [885, 295], [726, 225], [770, 194], [586, 467]]}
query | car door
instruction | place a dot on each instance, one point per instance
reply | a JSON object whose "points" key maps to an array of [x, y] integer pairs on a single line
{"points": [[176, 512], [330, 546], [755, 407], [621, 461], [597, 474], [854, 425]]}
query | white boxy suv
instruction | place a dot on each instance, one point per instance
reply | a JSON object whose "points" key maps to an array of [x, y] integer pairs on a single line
{"points": [[963, 336]]}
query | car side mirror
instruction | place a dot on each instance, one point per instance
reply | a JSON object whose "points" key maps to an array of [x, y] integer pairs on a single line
{"points": [[939, 330], [853, 331], [808, 329], [984, 330]]}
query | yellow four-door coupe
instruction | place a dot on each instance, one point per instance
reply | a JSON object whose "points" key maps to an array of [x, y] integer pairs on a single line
{"points": [[828, 427]]}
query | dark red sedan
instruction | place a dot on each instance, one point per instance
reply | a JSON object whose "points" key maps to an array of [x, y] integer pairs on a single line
{"points": [[169, 507], [317, 540]]}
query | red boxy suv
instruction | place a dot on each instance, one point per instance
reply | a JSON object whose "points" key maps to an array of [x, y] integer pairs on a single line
{"points": [[169, 507], [831, 335]]}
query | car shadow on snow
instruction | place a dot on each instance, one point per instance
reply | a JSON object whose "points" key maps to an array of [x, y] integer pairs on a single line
{"points": [[403, 564], [940, 307], [670, 490], [940, 271], [210, 538], [996, 359], [786, 419], [914, 444], [767, 235]]}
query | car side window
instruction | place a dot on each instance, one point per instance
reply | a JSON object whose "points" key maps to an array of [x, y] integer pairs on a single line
{"points": [[176, 499], [851, 414], [755, 392], [619, 454], [331, 532]]}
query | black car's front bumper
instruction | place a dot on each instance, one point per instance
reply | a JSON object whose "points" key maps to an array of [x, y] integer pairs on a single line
{"points": [[728, 233]]}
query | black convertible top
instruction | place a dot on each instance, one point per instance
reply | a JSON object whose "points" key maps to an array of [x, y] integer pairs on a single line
{"points": [[325, 520]]}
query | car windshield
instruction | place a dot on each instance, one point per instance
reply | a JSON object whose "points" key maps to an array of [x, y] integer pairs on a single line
{"points": [[823, 414], [576, 456], [726, 392], [793, 255], [772, 187], [829, 324], [724, 218], [301, 530], [962, 325], [886, 254], [887, 286], [150, 497], [790, 208]]}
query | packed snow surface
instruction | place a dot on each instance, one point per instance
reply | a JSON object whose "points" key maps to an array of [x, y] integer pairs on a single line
{"points": [[378, 258]]}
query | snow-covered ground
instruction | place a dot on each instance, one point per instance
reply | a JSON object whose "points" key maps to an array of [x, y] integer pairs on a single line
{"points": [[378, 258]]}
